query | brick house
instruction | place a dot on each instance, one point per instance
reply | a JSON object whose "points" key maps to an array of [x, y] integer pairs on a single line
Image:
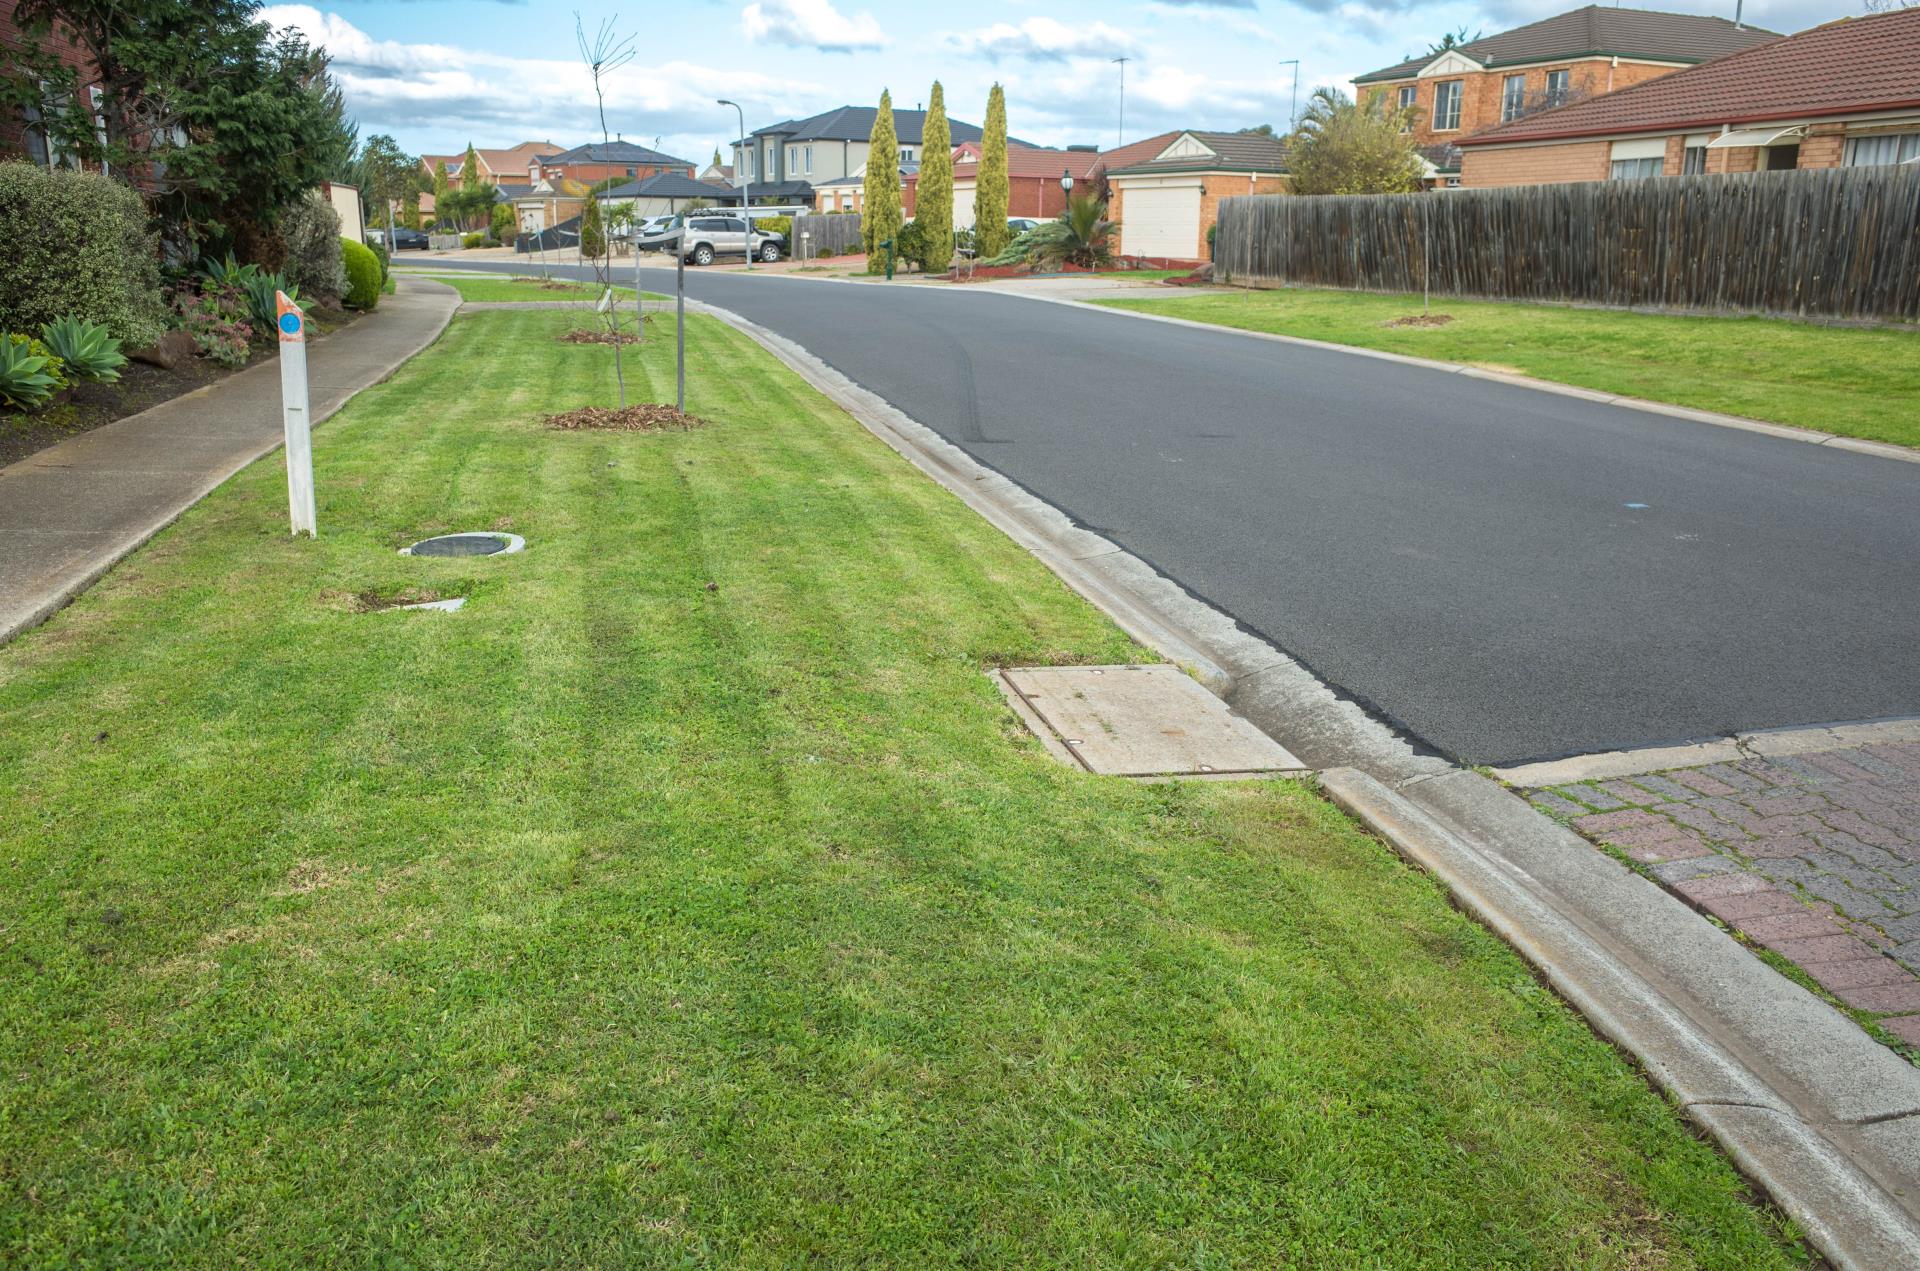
{"points": [[1033, 180], [506, 169], [1566, 58], [1843, 94], [1168, 202], [558, 182], [22, 135]]}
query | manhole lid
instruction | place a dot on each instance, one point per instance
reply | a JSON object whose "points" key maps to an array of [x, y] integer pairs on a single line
{"points": [[479, 543], [1140, 721]]}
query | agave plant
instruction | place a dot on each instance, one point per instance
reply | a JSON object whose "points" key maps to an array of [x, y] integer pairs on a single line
{"points": [[260, 298], [228, 272], [27, 379], [88, 351]]}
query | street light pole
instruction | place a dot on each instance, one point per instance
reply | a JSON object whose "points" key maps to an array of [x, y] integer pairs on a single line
{"points": [[1120, 133], [746, 184], [1293, 104]]}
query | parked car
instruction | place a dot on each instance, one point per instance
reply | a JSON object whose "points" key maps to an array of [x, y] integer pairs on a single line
{"points": [[702, 238], [403, 239], [1021, 224]]}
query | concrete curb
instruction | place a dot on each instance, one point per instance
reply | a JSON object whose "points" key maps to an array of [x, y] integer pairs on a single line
{"points": [[1844, 1213], [139, 536], [1693, 754], [1816, 1112]]}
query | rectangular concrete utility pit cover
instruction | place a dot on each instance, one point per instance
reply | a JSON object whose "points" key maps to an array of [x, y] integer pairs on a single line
{"points": [[1140, 721]]}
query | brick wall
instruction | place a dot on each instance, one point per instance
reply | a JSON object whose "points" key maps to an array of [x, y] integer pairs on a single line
{"points": [[13, 135], [1481, 92], [1822, 146], [1535, 165], [1227, 185], [1734, 159]]}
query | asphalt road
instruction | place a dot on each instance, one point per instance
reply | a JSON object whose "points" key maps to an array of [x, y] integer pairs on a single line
{"points": [[1504, 573]]}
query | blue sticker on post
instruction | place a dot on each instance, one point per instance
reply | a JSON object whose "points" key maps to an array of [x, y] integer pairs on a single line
{"points": [[291, 327]]}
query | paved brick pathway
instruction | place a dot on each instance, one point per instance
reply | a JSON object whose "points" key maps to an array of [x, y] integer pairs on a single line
{"points": [[1815, 856]]}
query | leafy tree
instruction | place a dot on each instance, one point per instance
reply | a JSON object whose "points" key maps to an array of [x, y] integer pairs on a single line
{"points": [[1452, 40], [1344, 148], [933, 207], [881, 218], [990, 189], [218, 121], [593, 234], [470, 178], [386, 173], [1258, 130], [717, 161]]}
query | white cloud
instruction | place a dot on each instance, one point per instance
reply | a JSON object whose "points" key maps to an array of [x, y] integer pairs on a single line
{"points": [[437, 97], [814, 24], [1230, 18], [1043, 39]]}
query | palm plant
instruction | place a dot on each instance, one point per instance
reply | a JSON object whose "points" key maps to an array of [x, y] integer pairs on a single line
{"points": [[1083, 235]]}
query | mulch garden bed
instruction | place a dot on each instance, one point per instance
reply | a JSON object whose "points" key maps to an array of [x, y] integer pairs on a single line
{"points": [[640, 417], [594, 335], [1421, 320]]}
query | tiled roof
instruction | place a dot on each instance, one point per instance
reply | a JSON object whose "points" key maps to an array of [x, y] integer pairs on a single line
{"points": [[1598, 31], [614, 152], [855, 123], [1232, 152], [1136, 151], [1445, 157], [1036, 161], [514, 159], [1847, 67], [668, 185]]}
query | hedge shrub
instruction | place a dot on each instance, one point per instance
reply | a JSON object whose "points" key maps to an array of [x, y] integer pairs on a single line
{"points": [[472, 241], [77, 245], [363, 274], [503, 225], [311, 231]]}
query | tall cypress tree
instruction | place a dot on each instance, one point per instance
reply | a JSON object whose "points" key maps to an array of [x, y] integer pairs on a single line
{"points": [[990, 189], [439, 191], [470, 178], [593, 236], [933, 206], [880, 220]]}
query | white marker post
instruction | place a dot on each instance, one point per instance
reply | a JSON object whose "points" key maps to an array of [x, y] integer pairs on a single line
{"points": [[293, 408]]}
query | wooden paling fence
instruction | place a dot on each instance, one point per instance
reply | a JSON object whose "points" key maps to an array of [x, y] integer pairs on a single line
{"points": [[1838, 242], [831, 235]]}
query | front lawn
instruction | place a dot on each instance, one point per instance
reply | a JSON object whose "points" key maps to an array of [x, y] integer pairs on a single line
{"points": [[482, 289], [691, 898], [1850, 381]]}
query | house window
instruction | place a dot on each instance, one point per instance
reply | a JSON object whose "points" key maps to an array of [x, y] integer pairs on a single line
{"points": [[906, 154], [1693, 159], [1632, 169], [1556, 88], [630, 172], [1513, 97], [793, 158], [1446, 105], [1632, 160], [1893, 147], [1783, 158], [806, 159], [1409, 94], [36, 135]]}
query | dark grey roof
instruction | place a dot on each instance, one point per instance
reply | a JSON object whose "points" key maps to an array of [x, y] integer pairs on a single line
{"points": [[1596, 31], [855, 123], [1445, 157], [505, 192], [668, 185], [790, 191], [615, 152], [1232, 152]]}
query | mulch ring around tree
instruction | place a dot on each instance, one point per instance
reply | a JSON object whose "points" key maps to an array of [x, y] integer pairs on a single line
{"points": [[640, 417], [1421, 320], [596, 335]]}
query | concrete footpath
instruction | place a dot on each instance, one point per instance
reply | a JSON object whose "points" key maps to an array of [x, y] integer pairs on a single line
{"points": [[71, 511]]}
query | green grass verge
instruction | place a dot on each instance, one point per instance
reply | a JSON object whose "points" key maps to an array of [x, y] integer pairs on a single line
{"points": [[1850, 381], [692, 898], [483, 289]]}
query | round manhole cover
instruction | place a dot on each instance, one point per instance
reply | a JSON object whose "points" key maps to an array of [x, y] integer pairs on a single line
{"points": [[486, 543]]}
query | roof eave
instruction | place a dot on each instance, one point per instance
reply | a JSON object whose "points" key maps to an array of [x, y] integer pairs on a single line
{"points": [[1685, 125]]}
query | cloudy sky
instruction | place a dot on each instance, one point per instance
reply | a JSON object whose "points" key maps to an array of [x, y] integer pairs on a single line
{"points": [[438, 73]]}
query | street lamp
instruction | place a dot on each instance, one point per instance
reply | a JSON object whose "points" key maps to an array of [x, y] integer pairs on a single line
{"points": [[746, 185], [1066, 183]]}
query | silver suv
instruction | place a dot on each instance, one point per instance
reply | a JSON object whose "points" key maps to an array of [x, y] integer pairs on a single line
{"points": [[702, 238]]}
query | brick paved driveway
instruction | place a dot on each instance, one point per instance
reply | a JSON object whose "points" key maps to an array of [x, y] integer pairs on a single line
{"points": [[1815, 856]]}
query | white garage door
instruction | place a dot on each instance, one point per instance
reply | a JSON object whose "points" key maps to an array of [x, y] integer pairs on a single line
{"points": [[1160, 222]]}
